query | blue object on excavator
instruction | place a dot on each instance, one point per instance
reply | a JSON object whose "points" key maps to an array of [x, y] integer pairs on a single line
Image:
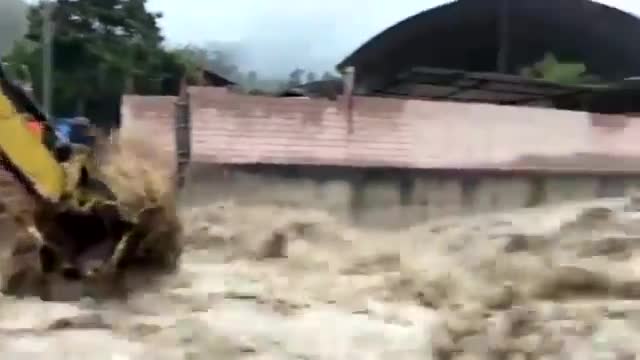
{"points": [[63, 130], [74, 131]]}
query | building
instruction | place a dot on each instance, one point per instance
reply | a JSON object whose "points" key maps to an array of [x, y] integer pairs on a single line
{"points": [[499, 36]]}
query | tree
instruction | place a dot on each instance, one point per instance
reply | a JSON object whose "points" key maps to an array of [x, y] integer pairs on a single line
{"points": [[16, 64], [13, 23], [328, 76], [99, 47], [311, 76], [220, 61], [252, 80], [551, 69], [194, 60], [295, 78]]}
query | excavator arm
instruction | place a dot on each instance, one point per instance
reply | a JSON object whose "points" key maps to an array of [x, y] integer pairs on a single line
{"points": [[83, 228], [26, 157]]}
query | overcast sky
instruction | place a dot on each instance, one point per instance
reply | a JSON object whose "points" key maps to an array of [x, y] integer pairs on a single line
{"points": [[278, 35], [281, 34]]}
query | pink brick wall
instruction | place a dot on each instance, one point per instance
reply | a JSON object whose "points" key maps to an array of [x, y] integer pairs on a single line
{"points": [[234, 128]]}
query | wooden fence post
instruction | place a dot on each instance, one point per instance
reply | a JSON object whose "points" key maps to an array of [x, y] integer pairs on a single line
{"points": [[182, 134], [348, 78]]}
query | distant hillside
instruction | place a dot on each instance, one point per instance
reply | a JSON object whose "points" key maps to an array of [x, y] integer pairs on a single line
{"points": [[13, 23]]}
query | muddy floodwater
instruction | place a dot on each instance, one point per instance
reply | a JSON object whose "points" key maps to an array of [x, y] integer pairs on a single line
{"points": [[558, 282]]}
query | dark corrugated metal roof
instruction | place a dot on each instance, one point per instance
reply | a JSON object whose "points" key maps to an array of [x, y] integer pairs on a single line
{"points": [[329, 89], [457, 85], [464, 35], [214, 79]]}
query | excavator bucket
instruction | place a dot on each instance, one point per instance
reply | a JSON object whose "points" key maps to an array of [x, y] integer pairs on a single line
{"points": [[78, 227]]}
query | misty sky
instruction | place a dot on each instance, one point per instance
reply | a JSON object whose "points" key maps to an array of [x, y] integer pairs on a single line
{"points": [[278, 35], [281, 34]]}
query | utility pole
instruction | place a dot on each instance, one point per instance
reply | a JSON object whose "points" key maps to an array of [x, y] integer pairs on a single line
{"points": [[47, 55], [502, 61]]}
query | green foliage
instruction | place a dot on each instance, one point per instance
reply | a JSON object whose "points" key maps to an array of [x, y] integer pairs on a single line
{"points": [[311, 77], [550, 69], [193, 59], [220, 58], [252, 80], [328, 76], [102, 48], [295, 77], [222, 63], [17, 61]]}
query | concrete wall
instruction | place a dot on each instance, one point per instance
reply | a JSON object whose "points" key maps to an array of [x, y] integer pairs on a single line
{"points": [[391, 197]]}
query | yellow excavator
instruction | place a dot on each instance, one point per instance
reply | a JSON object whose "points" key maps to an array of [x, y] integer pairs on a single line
{"points": [[78, 227]]}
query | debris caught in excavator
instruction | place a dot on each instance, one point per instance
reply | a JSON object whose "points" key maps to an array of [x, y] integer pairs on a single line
{"points": [[66, 211]]}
